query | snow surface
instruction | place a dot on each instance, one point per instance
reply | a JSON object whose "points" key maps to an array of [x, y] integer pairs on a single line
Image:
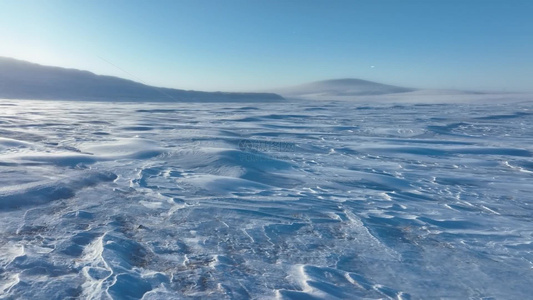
{"points": [[298, 200]]}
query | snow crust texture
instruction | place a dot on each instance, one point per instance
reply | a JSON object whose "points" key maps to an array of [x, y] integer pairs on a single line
{"points": [[298, 200]]}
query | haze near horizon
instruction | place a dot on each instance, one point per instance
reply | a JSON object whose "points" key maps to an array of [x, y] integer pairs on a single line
{"points": [[252, 45]]}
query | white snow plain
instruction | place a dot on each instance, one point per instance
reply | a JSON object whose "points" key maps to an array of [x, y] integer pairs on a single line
{"points": [[297, 200]]}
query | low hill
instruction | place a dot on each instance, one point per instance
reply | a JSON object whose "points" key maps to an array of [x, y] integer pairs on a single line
{"points": [[339, 89]]}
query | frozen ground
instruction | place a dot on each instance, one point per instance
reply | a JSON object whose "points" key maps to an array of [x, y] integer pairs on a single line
{"points": [[296, 201]]}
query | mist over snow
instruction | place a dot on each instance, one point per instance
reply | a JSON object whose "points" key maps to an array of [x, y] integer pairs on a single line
{"points": [[363, 91]]}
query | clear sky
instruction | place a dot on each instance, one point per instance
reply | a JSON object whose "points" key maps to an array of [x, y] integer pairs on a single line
{"points": [[255, 45]]}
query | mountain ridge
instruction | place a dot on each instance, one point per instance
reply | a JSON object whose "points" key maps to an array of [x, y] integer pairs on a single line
{"points": [[21, 79]]}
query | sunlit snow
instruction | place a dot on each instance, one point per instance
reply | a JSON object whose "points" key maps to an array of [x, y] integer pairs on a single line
{"points": [[292, 200]]}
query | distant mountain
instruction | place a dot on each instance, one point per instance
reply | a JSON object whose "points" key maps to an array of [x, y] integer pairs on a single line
{"points": [[339, 89], [25, 80]]}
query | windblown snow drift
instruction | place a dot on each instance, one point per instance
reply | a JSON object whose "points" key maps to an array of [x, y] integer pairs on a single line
{"points": [[317, 200]]}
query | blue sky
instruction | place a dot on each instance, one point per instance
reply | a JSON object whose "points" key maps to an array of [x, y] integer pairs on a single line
{"points": [[255, 45]]}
